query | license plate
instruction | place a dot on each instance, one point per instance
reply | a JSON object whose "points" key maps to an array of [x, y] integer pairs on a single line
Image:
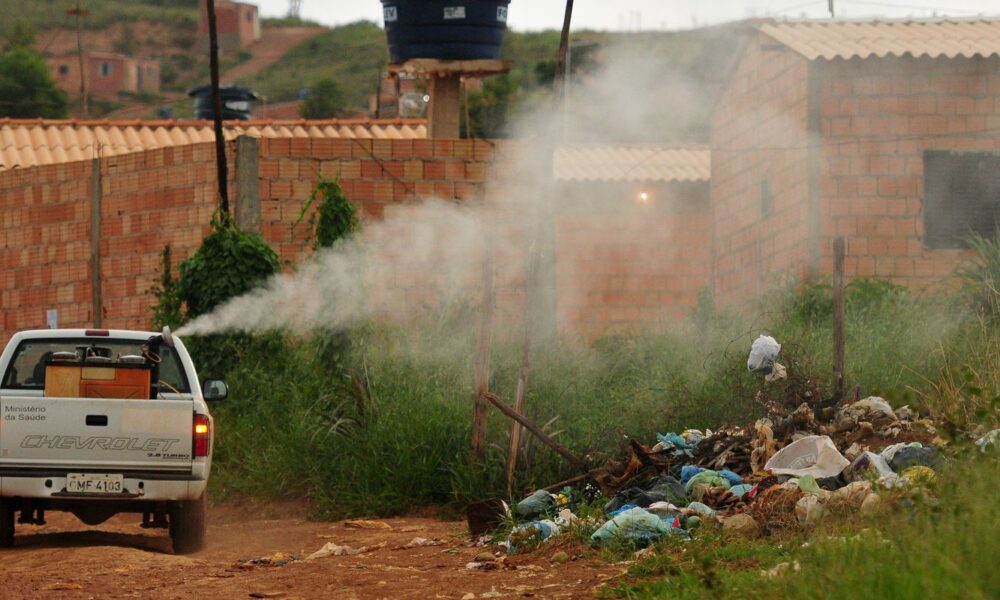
{"points": [[92, 483]]}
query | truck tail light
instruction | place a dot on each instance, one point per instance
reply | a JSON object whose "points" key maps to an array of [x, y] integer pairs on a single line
{"points": [[202, 435]]}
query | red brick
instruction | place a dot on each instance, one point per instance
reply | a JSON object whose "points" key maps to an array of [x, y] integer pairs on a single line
{"points": [[371, 169], [434, 170], [361, 148], [423, 148], [444, 148]]}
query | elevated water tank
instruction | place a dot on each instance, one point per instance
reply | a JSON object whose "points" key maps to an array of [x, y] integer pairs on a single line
{"points": [[445, 29], [237, 102]]}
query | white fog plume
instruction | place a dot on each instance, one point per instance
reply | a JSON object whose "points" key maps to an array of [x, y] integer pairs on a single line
{"points": [[429, 253], [435, 245]]}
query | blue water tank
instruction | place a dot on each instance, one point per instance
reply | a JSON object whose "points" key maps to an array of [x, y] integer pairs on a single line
{"points": [[237, 102], [444, 29]]}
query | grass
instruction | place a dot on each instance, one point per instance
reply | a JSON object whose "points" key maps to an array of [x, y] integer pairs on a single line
{"points": [[380, 425], [46, 15], [353, 55], [375, 421]]}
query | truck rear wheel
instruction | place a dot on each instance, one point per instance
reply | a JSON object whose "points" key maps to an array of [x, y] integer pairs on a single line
{"points": [[187, 526], [6, 523]]}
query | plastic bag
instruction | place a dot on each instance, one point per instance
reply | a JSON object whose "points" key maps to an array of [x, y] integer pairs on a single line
{"points": [[870, 408], [689, 471], [704, 482], [535, 505], [636, 525], [871, 465], [812, 455], [809, 509], [990, 439], [763, 352]]}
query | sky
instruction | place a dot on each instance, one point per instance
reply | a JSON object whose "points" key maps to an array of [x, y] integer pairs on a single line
{"points": [[619, 15]]}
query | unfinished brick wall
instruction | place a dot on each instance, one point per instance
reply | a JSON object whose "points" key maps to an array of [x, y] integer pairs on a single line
{"points": [[44, 246], [878, 116], [374, 174], [624, 264], [167, 196], [148, 200], [760, 207]]}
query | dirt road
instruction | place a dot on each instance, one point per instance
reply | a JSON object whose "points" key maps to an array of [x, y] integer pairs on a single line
{"points": [[65, 559]]}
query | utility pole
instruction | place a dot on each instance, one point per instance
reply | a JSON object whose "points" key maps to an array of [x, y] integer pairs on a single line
{"points": [[295, 9], [79, 13], [220, 138], [830, 4]]}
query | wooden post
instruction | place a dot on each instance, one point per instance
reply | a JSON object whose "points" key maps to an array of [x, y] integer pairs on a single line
{"points": [[541, 435], [97, 301], [484, 349], [247, 209], [530, 297], [839, 340], [446, 93]]}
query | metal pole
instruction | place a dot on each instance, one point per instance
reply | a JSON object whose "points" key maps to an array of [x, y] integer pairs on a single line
{"points": [[832, 15], [220, 139], [563, 48]]}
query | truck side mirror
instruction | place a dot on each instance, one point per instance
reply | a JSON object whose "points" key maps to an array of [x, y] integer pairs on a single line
{"points": [[215, 389]]}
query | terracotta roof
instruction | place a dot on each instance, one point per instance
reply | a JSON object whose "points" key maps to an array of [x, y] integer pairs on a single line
{"points": [[635, 162], [27, 143], [864, 39]]}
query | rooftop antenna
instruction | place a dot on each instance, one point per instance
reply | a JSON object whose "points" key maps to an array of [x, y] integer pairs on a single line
{"points": [[295, 9]]}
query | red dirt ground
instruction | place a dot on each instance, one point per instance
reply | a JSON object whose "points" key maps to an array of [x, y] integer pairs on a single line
{"points": [[66, 559]]}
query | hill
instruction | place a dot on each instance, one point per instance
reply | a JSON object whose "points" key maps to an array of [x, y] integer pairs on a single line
{"points": [[669, 78], [677, 73], [51, 14]]}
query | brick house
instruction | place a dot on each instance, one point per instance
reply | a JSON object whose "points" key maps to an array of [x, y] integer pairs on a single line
{"points": [[631, 224], [107, 74], [884, 132], [237, 23]]}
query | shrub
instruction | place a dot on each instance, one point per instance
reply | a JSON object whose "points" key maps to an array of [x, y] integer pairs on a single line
{"points": [[229, 263]]}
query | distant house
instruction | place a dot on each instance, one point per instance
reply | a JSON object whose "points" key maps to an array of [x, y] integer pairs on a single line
{"points": [[886, 133], [107, 74], [237, 23]]}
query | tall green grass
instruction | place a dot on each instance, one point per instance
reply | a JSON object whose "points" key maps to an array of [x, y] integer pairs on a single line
{"points": [[381, 425]]}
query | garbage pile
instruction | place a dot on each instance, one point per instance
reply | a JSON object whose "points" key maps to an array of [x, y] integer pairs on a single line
{"points": [[790, 470]]}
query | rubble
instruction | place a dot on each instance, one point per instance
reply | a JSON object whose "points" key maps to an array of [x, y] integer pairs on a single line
{"points": [[790, 470]]}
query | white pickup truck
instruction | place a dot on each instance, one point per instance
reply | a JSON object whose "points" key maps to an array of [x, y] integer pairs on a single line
{"points": [[99, 422]]}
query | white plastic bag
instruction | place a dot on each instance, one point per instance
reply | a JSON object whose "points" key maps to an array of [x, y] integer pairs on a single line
{"points": [[763, 352], [812, 455], [870, 463]]}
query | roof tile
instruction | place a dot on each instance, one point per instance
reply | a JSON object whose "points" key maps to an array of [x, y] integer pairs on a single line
{"points": [[632, 163], [27, 143], [933, 38]]}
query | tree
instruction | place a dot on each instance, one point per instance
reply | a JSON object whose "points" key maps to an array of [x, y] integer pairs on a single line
{"points": [[325, 101], [21, 35], [26, 88], [489, 109]]}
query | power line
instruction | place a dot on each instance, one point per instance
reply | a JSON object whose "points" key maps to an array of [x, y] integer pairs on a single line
{"points": [[912, 7]]}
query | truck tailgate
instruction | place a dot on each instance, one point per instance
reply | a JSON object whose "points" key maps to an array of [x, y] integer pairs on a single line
{"points": [[148, 435]]}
